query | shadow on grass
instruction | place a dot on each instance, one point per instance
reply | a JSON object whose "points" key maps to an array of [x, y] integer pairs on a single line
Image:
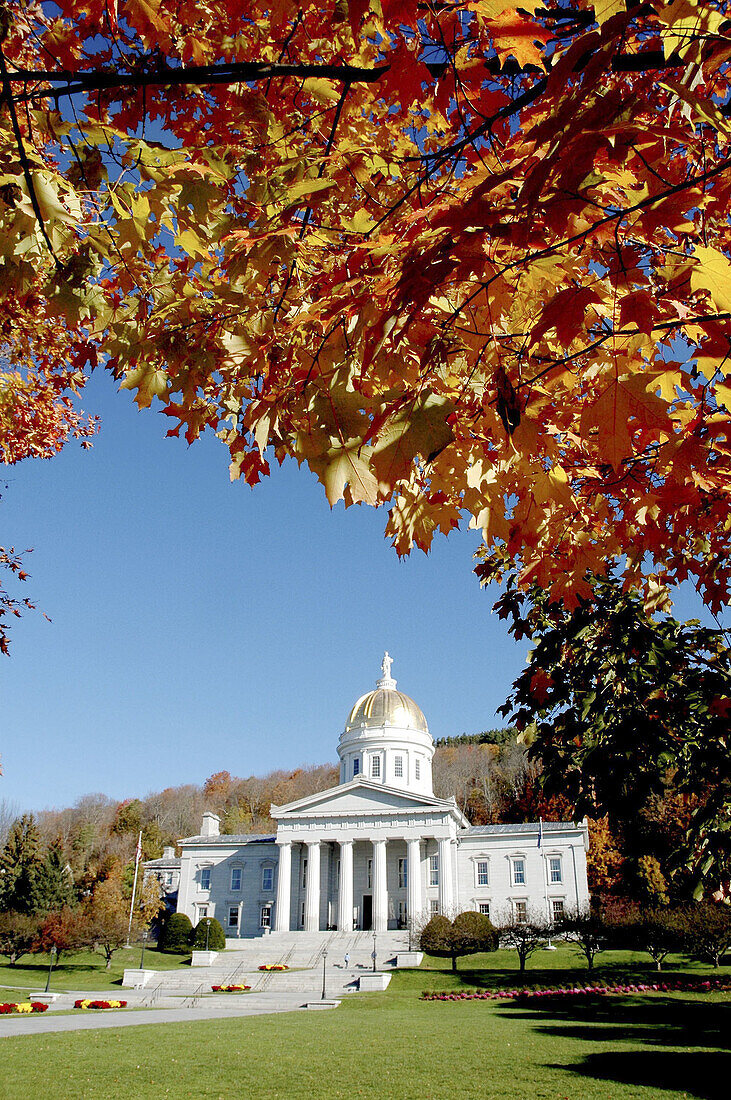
{"points": [[656, 1023]]}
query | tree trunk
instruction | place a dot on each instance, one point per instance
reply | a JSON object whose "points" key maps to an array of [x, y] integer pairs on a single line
{"points": [[454, 963], [522, 963]]}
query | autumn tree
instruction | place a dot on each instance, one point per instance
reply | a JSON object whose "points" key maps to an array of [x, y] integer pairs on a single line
{"points": [[586, 928], [106, 918], [616, 703], [468, 261], [18, 933], [706, 931], [64, 929]]}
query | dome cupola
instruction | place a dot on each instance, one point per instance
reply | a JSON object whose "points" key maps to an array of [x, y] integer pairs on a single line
{"points": [[386, 738]]}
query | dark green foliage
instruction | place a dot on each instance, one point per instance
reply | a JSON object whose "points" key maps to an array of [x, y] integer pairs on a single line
{"points": [[467, 934], [175, 933], [216, 935], [658, 931], [53, 884], [706, 931], [487, 737], [19, 864], [18, 932], [617, 705]]}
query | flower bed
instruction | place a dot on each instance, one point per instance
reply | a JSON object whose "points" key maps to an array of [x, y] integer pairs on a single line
{"points": [[99, 1004], [23, 1008], [274, 966], [230, 988], [689, 985]]}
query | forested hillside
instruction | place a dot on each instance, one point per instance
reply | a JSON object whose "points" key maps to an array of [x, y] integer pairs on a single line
{"points": [[489, 774]]}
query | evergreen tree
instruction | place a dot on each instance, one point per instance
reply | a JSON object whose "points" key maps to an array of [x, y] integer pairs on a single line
{"points": [[19, 863], [53, 884]]}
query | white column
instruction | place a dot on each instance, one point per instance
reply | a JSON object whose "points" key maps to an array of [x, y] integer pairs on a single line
{"points": [[312, 889], [414, 900], [446, 897], [345, 895], [284, 887], [380, 890]]}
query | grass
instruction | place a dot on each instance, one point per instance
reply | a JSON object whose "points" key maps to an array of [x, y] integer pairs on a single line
{"points": [[82, 970], [396, 1047]]}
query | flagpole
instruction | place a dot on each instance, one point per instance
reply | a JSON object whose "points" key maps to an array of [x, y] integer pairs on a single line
{"points": [[138, 853]]}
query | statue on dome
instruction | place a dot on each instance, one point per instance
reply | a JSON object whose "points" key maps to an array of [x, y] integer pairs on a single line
{"points": [[386, 666]]}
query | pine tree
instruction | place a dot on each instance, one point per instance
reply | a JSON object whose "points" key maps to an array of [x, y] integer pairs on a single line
{"points": [[53, 883], [19, 864]]}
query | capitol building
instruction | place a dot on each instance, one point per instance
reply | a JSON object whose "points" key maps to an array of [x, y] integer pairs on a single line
{"points": [[377, 849]]}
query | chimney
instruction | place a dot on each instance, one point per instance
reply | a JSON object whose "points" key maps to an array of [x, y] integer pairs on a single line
{"points": [[168, 853], [210, 824]]}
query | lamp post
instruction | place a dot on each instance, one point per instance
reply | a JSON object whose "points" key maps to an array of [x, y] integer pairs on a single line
{"points": [[324, 961], [208, 930], [144, 945], [374, 952], [54, 955]]}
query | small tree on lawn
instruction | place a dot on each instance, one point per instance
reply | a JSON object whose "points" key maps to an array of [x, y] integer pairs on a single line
{"points": [[65, 930], [659, 931], [585, 927], [467, 934], [706, 931], [18, 932], [106, 918], [524, 936]]}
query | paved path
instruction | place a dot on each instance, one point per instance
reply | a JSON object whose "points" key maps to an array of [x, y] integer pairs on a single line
{"points": [[249, 1005]]}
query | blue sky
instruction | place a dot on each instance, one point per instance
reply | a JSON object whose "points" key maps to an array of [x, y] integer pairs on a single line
{"points": [[199, 625]]}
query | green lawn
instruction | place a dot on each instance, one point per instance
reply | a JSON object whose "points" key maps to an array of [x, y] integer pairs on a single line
{"points": [[394, 1045], [82, 970]]}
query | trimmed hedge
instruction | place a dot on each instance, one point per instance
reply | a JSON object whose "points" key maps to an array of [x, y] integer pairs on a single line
{"points": [[216, 935], [175, 934]]}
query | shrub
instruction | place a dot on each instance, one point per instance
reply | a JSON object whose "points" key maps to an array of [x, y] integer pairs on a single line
{"points": [[468, 933], [175, 933], [216, 935], [706, 931]]}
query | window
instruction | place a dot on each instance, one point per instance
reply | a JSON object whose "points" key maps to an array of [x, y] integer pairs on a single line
{"points": [[265, 920], [267, 878], [557, 909], [518, 872], [482, 871], [554, 869], [417, 768], [356, 767], [433, 870], [484, 907], [167, 878], [304, 873], [202, 911], [376, 767], [235, 878], [520, 911], [402, 874], [398, 767], [433, 907], [370, 873], [338, 873], [205, 878], [233, 916], [403, 915], [302, 916]]}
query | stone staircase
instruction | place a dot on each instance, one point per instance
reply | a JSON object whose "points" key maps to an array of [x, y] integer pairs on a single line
{"points": [[301, 951]]}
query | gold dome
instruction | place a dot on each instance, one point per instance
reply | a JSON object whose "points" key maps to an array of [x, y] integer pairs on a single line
{"points": [[386, 705]]}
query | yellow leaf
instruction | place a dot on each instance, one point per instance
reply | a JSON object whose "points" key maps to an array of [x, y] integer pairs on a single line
{"points": [[713, 273], [347, 471], [324, 91], [191, 243], [307, 187], [148, 382], [605, 9]]}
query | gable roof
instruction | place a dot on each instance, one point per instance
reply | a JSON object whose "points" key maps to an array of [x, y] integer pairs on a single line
{"points": [[361, 795]]}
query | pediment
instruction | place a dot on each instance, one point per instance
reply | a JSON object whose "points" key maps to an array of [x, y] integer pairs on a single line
{"points": [[361, 797]]}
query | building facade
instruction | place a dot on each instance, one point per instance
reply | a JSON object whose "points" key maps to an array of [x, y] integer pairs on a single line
{"points": [[380, 847]]}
